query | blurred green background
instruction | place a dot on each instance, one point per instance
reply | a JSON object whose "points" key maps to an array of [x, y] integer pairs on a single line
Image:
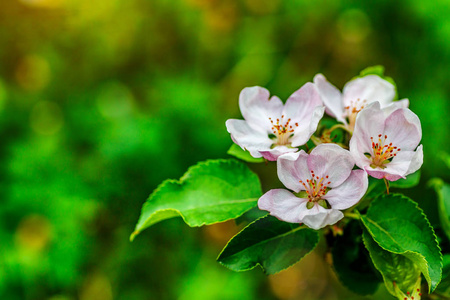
{"points": [[100, 101]]}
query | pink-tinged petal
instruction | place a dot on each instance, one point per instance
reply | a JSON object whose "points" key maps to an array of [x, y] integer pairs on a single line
{"points": [[256, 108], [403, 129], [331, 97], [333, 161], [283, 205], [404, 103], [369, 123], [370, 88], [291, 168], [274, 153], [318, 217], [349, 192], [405, 163], [301, 103], [395, 169], [307, 127], [416, 161], [380, 174], [248, 138]]}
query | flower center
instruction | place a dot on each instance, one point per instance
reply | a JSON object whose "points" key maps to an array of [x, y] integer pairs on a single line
{"points": [[282, 131], [316, 188], [382, 152], [352, 110]]}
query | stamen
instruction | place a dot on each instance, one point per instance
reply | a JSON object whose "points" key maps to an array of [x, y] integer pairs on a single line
{"points": [[282, 131], [315, 188], [382, 151]]}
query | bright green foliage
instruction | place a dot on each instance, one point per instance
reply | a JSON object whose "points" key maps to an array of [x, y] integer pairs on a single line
{"points": [[399, 226], [237, 151], [443, 191], [396, 269], [270, 243], [352, 262], [209, 192]]}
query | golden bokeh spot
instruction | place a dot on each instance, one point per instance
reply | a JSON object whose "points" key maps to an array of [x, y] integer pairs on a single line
{"points": [[33, 73], [46, 118], [33, 233], [96, 286]]}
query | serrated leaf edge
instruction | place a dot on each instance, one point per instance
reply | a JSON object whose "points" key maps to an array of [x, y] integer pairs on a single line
{"points": [[258, 264], [408, 251], [186, 176]]}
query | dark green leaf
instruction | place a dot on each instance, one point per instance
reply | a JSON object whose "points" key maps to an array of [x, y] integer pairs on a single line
{"points": [[237, 151], [251, 215], [270, 243], [399, 226], [352, 262], [209, 192], [396, 269]]}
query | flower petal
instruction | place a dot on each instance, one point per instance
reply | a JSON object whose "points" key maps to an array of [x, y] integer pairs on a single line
{"points": [[370, 88], [333, 161], [256, 108], [349, 192], [283, 205], [318, 217], [274, 153], [404, 103], [369, 123], [306, 128], [304, 108], [403, 129], [291, 168], [248, 138], [331, 97], [416, 161]]}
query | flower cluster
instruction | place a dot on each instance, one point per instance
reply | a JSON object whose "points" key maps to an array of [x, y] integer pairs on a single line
{"points": [[383, 142]]}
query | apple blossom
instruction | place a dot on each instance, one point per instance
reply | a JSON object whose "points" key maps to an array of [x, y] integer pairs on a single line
{"points": [[384, 142], [324, 183], [356, 94], [271, 128]]}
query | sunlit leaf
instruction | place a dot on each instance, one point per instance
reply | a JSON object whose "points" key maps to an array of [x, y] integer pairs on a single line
{"points": [[209, 192]]}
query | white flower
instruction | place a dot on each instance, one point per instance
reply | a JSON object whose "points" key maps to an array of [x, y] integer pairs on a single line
{"points": [[270, 128], [324, 183], [356, 94], [385, 140]]}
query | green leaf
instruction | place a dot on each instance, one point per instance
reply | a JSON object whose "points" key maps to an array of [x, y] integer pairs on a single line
{"points": [[237, 152], [209, 192], [444, 287], [373, 70], [411, 181], [270, 243], [352, 262], [396, 269], [443, 192], [399, 226]]}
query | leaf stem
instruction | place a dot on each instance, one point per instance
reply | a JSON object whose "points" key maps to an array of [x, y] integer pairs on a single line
{"points": [[387, 185], [352, 215]]}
